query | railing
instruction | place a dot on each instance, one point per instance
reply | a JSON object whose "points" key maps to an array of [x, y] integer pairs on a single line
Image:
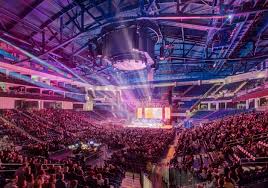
{"points": [[258, 160], [19, 164], [204, 96], [240, 93], [245, 152], [254, 138], [194, 185], [256, 184], [61, 151]]}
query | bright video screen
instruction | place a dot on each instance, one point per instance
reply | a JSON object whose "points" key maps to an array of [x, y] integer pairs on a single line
{"points": [[157, 113], [148, 112], [153, 113], [139, 113], [167, 113]]}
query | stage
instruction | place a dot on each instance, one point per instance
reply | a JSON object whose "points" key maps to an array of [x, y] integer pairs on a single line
{"points": [[148, 123]]}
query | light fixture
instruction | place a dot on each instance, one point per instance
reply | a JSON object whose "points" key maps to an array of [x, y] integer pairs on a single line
{"points": [[230, 16]]}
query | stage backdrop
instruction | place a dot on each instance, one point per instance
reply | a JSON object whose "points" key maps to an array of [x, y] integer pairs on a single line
{"points": [[153, 113]]}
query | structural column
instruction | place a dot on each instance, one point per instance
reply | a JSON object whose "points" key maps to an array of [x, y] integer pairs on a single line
{"points": [[247, 104], [41, 105], [209, 106], [256, 102], [217, 106]]}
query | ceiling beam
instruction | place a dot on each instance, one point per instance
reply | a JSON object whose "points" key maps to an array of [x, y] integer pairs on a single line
{"points": [[188, 25], [55, 16], [4, 13], [248, 58], [24, 13]]}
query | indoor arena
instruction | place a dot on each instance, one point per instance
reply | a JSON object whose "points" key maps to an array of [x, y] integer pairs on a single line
{"points": [[133, 93]]}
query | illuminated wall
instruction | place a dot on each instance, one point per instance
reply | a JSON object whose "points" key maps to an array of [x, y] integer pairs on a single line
{"points": [[7, 103]]}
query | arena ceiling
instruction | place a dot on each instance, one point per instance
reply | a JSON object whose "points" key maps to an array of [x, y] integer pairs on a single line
{"points": [[198, 39]]}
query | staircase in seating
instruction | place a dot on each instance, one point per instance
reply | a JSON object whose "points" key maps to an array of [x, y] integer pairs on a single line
{"points": [[191, 87], [204, 96], [241, 85], [129, 182], [219, 88]]}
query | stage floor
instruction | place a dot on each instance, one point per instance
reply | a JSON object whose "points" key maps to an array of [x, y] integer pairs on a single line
{"points": [[149, 127]]}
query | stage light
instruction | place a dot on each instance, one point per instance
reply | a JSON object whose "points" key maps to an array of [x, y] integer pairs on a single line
{"points": [[99, 50], [230, 16]]}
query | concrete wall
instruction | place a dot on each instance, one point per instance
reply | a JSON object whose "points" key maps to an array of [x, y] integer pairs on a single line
{"points": [[67, 105], [7, 103]]}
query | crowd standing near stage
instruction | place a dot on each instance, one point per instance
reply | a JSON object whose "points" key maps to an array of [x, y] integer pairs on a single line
{"points": [[214, 152]]}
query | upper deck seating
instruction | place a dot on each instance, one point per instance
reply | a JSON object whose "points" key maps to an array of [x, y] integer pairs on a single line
{"points": [[198, 90]]}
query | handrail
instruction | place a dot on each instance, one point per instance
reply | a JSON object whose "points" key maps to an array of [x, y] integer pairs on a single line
{"points": [[258, 160], [8, 170], [241, 139], [10, 164], [254, 183], [253, 163], [19, 164], [202, 97]]}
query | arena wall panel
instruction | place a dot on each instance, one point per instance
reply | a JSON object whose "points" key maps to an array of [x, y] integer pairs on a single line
{"points": [[7, 103], [67, 105]]}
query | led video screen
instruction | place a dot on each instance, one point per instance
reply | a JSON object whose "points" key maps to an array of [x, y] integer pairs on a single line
{"points": [[151, 113], [167, 113], [139, 113]]}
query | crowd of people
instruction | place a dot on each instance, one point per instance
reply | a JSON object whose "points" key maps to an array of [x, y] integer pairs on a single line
{"points": [[11, 135], [213, 151], [37, 172], [52, 130]]}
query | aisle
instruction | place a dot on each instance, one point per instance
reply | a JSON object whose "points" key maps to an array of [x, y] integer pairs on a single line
{"points": [[171, 151], [131, 181], [162, 169]]}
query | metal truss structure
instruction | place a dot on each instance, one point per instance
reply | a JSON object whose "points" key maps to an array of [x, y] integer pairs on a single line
{"points": [[199, 38]]}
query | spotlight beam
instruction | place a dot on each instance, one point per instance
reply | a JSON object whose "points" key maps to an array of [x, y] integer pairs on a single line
{"points": [[69, 70]]}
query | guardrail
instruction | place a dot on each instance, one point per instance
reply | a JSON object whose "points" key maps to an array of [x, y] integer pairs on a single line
{"points": [[254, 137], [258, 160]]}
